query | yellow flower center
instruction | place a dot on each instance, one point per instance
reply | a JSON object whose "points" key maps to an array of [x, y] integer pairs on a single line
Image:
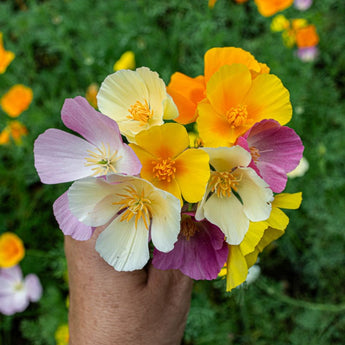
{"points": [[255, 153], [188, 227], [237, 116], [140, 112], [135, 204], [164, 169], [223, 182], [103, 160]]}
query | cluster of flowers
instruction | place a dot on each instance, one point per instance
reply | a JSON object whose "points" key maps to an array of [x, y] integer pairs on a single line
{"points": [[15, 292], [200, 206], [298, 32], [13, 102]]}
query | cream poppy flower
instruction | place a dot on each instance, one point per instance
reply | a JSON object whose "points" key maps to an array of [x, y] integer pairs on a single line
{"points": [[136, 100]]}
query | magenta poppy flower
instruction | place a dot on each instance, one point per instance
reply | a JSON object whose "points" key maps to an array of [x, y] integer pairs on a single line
{"points": [[15, 292], [63, 157], [275, 149], [200, 251]]}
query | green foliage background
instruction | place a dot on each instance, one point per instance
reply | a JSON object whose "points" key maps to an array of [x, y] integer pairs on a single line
{"points": [[63, 46]]}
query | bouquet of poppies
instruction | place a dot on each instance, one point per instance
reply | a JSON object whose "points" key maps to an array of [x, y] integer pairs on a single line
{"points": [[190, 174]]}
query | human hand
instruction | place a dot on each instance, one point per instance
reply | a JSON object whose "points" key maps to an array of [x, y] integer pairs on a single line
{"points": [[108, 307]]}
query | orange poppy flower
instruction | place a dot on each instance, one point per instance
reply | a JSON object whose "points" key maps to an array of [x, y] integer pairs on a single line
{"points": [[188, 92], [11, 250], [5, 56], [91, 94], [307, 37], [16, 130], [268, 8], [16, 100]]}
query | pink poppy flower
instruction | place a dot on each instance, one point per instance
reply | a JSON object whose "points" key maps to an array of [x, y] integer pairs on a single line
{"points": [[200, 251], [308, 54], [275, 149], [303, 5], [63, 157], [15, 292]]}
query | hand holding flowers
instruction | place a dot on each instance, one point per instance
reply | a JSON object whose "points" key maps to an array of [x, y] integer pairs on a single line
{"points": [[199, 207]]}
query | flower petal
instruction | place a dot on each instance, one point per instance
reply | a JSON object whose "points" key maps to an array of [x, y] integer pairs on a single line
{"points": [[237, 269], [68, 223], [255, 194], [192, 174], [33, 287], [268, 99], [253, 236], [61, 156], [227, 214], [78, 115], [123, 245]]}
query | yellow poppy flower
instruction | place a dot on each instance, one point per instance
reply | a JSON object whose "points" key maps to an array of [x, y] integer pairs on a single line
{"points": [[268, 8], [259, 236], [11, 250], [280, 23], [126, 61], [235, 102], [169, 164], [16, 100], [5, 56], [188, 92]]}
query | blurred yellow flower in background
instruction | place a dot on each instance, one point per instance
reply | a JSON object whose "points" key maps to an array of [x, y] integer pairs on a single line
{"points": [[11, 250], [91, 94], [280, 23], [126, 61], [5, 56], [14, 129], [16, 100], [62, 335]]}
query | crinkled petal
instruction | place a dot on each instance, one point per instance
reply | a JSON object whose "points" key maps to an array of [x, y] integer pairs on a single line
{"points": [[123, 245], [228, 158], [268, 99], [253, 236], [200, 257], [68, 223], [255, 194], [78, 115], [227, 213], [61, 156], [91, 200], [165, 225]]}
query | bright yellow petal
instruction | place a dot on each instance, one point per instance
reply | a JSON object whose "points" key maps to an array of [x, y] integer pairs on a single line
{"points": [[268, 99], [237, 268], [252, 258], [270, 235], [288, 201], [278, 219], [213, 129], [228, 87], [217, 57], [253, 236], [166, 141], [192, 174]]}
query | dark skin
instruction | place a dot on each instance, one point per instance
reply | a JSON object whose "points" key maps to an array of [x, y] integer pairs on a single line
{"points": [[107, 307]]}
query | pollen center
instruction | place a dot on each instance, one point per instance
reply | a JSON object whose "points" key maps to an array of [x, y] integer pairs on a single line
{"points": [[164, 169], [140, 112], [103, 160], [135, 205], [255, 153], [237, 116], [188, 227], [223, 182]]}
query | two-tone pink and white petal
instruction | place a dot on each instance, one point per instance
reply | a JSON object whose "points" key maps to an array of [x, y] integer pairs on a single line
{"points": [[68, 223], [278, 151]]}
